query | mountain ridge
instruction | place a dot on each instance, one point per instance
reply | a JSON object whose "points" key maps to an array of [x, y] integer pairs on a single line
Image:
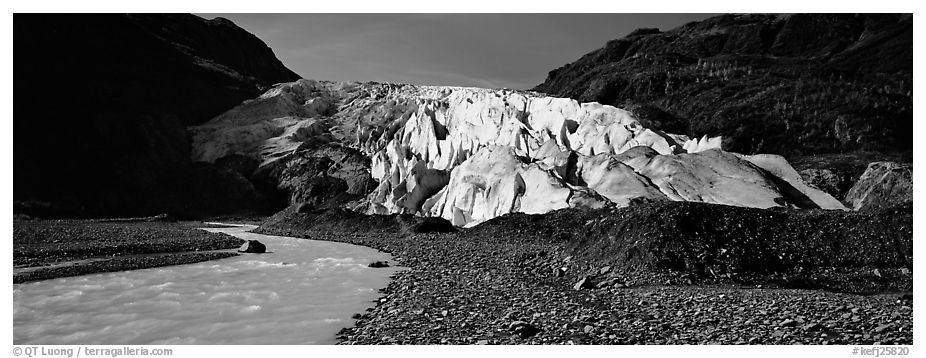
{"points": [[805, 83], [109, 96]]}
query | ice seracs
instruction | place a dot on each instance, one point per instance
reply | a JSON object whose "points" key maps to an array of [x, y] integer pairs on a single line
{"points": [[471, 154]]}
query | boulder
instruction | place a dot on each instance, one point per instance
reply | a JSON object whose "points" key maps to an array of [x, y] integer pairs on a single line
{"points": [[884, 184], [584, 283], [523, 329], [253, 247]]}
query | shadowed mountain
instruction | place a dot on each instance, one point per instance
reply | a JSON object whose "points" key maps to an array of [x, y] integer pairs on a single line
{"points": [[793, 85], [102, 104]]}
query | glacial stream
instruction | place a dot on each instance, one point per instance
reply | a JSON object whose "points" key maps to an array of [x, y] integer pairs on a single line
{"points": [[300, 292]]}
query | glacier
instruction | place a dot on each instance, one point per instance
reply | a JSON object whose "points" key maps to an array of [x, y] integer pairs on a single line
{"points": [[471, 154]]}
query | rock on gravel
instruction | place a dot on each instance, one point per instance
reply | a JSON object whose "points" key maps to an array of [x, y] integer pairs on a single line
{"points": [[584, 283], [523, 329], [253, 247], [884, 184]]}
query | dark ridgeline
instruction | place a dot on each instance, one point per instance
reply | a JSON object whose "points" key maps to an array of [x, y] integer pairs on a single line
{"points": [[794, 85], [101, 106]]}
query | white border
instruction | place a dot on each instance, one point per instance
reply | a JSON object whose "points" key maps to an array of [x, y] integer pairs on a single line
{"points": [[700, 6]]}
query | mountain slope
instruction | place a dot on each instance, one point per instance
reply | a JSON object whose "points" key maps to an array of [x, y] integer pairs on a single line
{"points": [[791, 85], [101, 105]]}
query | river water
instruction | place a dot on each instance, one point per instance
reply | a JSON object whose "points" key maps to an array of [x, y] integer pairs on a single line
{"points": [[300, 292]]}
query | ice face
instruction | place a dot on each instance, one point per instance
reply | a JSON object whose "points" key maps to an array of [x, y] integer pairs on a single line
{"points": [[471, 154]]}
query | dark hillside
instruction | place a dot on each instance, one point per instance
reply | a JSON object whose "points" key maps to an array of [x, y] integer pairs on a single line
{"points": [[101, 105], [793, 85]]}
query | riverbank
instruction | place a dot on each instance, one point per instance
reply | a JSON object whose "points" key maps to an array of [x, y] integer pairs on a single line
{"points": [[727, 275], [298, 292], [46, 249]]}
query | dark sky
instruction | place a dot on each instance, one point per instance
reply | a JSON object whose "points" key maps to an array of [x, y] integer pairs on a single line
{"points": [[484, 50]]}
